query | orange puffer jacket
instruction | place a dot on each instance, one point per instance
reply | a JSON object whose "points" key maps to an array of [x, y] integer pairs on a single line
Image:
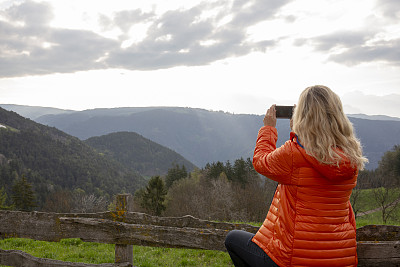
{"points": [[310, 221]]}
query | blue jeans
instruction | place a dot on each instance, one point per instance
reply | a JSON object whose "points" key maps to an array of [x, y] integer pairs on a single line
{"points": [[245, 252]]}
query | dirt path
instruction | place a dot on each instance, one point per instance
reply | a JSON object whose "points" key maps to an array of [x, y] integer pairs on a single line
{"points": [[377, 209]]}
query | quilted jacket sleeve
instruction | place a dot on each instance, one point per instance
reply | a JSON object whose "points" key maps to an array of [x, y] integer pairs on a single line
{"points": [[276, 164]]}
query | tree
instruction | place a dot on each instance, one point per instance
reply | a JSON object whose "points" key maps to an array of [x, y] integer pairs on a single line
{"points": [[387, 182], [355, 200], [240, 171], [86, 203], [215, 169], [219, 198], [153, 196], [389, 166], [3, 200], [388, 200], [23, 195], [229, 170], [174, 174], [59, 201], [363, 181], [222, 198], [397, 163]]}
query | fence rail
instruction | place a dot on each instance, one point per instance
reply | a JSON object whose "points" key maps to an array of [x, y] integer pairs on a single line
{"points": [[377, 245]]}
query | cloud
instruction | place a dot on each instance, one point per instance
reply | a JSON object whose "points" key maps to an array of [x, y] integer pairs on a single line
{"points": [[124, 19], [54, 50], [248, 13], [30, 13], [370, 43], [355, 47], [342, 39], [389, 8], [30, 46], [384, 51], [179, 37]]}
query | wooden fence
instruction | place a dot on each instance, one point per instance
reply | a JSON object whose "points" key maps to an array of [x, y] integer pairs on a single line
{"points": [[377, 245]]}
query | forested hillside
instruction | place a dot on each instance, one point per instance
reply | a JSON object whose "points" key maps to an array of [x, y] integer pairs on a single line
{"points": [[203, 136], [139, 153], [51, 160]]}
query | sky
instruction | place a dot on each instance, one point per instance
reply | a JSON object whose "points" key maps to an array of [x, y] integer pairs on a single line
{"points": [[226, 55]]}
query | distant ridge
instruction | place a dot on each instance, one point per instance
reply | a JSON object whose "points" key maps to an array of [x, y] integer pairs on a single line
{"points": [[33, 112], [374, 117], [203, 136]]}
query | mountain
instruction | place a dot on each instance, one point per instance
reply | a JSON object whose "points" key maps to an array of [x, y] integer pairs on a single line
{"points": [[203, 136], [33, 112], [377, 137], [374, 117], [52, 160], [141, 154], [200, 136]]}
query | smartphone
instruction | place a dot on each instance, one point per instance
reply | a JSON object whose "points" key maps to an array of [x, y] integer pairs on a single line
{"points": [[284, 112]]}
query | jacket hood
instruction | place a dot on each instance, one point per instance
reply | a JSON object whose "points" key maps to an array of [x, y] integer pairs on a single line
{"points": [[342, 171]]}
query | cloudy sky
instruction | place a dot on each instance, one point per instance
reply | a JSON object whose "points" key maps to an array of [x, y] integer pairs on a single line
{"points": [[233, 55]]}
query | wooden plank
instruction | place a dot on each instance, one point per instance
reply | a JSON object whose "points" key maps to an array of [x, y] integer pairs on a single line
{"points": [[378, 249], [35, 225], [186, 221], [106, 231], [378, 253], [104, 228], [20, 258], [51, 227], [378, 233]]}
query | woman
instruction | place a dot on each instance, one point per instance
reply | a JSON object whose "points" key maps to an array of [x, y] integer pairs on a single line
{"points": [[310, 221]]}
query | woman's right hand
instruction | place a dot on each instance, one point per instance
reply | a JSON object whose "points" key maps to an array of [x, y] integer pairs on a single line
{"points": [[270, 117]]}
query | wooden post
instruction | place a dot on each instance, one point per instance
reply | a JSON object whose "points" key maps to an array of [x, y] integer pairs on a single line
{"points": [[123, 253]]}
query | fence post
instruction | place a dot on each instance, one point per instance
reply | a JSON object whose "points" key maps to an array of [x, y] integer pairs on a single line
{"points": [[123, 253]]}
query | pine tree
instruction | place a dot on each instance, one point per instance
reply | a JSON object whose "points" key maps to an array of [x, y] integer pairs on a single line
{"points": [[216, 169], [153, 196], [23, 195], [3, 200], [174, 174], [240, 171]]}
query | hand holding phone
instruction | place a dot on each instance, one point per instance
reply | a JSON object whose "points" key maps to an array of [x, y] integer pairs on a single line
{"points": [[270, 117]]}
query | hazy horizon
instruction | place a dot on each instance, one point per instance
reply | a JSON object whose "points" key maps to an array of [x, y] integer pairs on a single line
{"points": [[356, 115]]}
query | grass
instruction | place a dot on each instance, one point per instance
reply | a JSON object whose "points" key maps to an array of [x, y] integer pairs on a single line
{"points": [[74, 250], [368, 203], [151, 256], [376, 218]]}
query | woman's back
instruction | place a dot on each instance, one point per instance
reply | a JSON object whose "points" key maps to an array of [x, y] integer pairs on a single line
{"points": [[310, 222]]}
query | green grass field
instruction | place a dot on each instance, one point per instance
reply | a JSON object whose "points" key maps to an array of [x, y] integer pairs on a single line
{"points": [[367, 202], [74, 250]]}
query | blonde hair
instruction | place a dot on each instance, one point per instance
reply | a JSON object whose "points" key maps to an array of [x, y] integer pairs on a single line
{"points": [[324, 130]]}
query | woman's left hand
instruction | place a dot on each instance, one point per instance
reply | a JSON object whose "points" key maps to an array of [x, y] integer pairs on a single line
{"points": [[270, 117]]}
